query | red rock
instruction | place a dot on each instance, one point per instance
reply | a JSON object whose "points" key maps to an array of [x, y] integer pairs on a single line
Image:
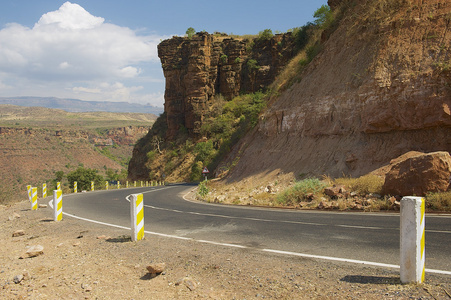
{"points": [[418, 175]]}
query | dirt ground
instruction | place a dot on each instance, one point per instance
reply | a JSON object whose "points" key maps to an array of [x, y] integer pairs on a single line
{"points": [[90, 261]]}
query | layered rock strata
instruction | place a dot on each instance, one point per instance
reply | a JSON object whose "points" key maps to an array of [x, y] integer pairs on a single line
{"points": [[200, 67]]}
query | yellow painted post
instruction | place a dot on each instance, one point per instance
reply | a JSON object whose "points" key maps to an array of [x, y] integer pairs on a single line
{"points": [[57, 205], [106, 185], [141, 183], [126, 184], [75, 187], [137, 216], [34, 198], [134, 183], [118, 185], [92, 186], [412, 242], [58, 185], [44, 190], [29, 191]]}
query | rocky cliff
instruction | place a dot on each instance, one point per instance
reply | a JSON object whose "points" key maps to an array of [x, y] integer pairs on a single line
{"points": [[379, 88], [200, 67]]}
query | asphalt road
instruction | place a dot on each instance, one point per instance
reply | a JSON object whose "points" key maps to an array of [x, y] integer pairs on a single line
{"points": [[371, 237]]}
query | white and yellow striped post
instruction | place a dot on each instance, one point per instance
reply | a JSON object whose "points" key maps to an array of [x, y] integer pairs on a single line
{"points": [[29, 187], [141, 183], [57, 205], [58, 185], [92, 186], [137, 216], [106, 185], [118, 185], [34, 198], [126, 184], [44, 190], [75, 187], [134, 183], [412, 246]]}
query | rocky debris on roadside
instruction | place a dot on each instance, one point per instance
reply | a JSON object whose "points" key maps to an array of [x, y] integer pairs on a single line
{"points": [[156, 268], [188, 282], [18, 279], [14, 216], [33, 251], [103, 237], [18, 233], [42, 206]]}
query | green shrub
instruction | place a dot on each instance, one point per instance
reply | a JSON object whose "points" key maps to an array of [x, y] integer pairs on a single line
{"points": [[151, 155], [224, 58], [300, 190], [323, 17], [202, 190], [190, 32], [83, 177], [252, 65], [265, 35]]}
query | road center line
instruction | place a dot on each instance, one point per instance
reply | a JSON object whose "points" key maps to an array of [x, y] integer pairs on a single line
{"points": [[289, 253]]}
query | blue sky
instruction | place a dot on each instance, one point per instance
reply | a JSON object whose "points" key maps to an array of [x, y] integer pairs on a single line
{"points": [[105, 50]]}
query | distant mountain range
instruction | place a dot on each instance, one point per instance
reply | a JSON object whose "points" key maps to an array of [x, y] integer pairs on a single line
{"points": [[75, 105]]}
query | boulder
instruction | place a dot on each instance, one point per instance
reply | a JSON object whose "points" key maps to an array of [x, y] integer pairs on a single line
{"points": [[419, 174], [156, 268]]}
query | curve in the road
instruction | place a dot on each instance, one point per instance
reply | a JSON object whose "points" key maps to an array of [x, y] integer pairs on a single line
{"points": [[297, 254]]}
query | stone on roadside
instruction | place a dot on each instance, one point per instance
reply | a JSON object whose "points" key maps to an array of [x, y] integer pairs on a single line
{"points": [[18, 233], [103, 237], [33, 251], [189, 283], [18, 279], [156, 268], [42, 205], [14, 216]]}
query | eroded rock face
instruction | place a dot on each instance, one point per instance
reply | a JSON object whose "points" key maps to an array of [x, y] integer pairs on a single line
{"points": [[198, 68], [418, 175]]}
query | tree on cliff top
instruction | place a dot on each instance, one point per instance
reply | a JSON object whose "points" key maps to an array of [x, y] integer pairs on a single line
{"points": [[190, 32]]}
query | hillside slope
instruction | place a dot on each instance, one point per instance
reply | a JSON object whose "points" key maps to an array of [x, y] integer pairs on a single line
{"points": [[379, 88], [36, 142]]}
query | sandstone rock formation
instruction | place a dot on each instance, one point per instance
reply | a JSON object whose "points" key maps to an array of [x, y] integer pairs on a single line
{"points": [[378, 89], [419, 174], [204, 65]]}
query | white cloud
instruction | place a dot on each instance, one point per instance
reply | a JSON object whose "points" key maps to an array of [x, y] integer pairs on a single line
{"points": [[77, 51], [70, 16]]}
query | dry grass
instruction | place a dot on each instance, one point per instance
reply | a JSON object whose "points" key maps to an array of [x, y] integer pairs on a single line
{"points": [[363, 185], [439, 201]]}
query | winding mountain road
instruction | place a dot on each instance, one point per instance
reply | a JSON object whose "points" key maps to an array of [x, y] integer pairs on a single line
{"points": [[370, 238]]}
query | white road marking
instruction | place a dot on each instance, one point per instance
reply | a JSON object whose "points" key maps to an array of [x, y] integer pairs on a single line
{"points": [[289, 253]]}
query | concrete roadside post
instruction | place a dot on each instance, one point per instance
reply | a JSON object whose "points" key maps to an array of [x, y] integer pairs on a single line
{"points": [[118, 185], [126, 184], [137, 216], [44, 190], [412, 264], [75, 187], [57, 205], [134, 183], [92, 186], [58, 185], [29, 192], [34, 198], [106, 185]]}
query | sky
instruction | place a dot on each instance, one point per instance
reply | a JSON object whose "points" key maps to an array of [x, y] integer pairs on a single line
{"points": [[106, 50]]}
